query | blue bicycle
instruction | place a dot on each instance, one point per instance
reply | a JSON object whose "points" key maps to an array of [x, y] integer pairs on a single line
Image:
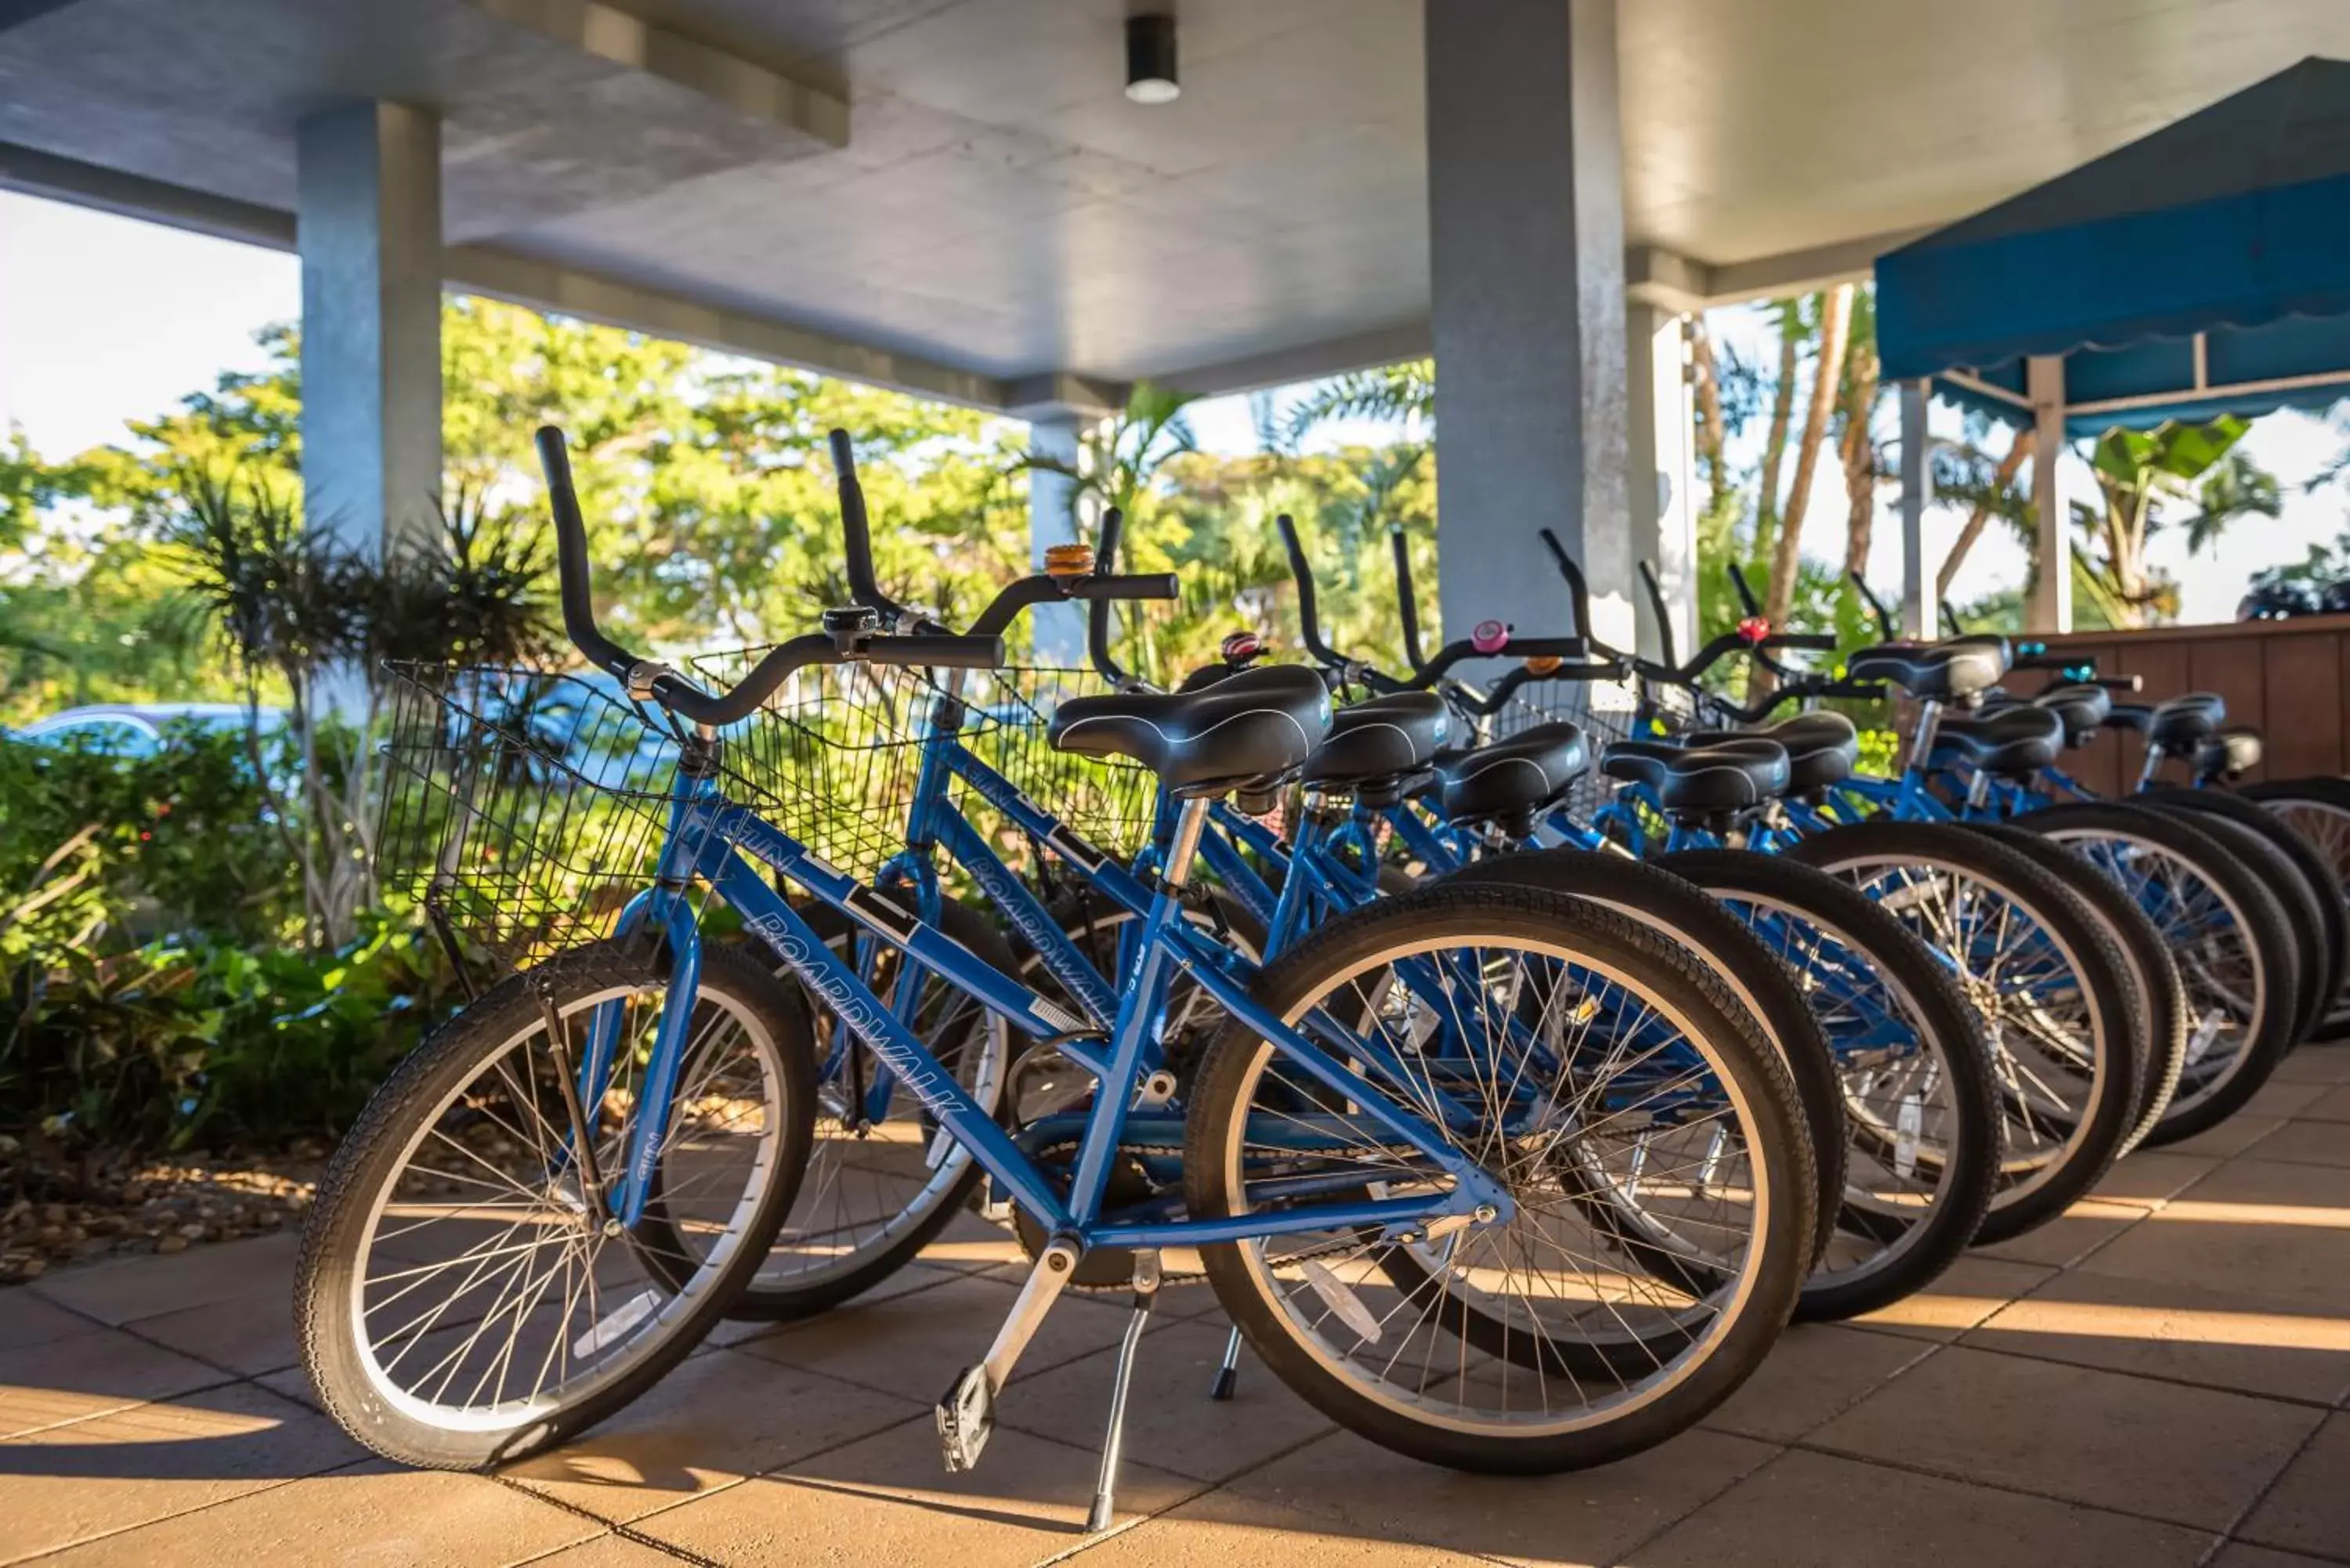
{"points": [[1386, 1158]]}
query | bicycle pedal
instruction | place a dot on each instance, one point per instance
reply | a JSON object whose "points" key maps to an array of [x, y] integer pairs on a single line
{"points": [[966, 1418]]}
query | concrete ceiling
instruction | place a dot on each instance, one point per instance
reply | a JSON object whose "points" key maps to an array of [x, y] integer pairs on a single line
{"points": [[999, 208]]}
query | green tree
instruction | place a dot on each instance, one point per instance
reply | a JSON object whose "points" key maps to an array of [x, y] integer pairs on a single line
{"points": [[2191, 478]]}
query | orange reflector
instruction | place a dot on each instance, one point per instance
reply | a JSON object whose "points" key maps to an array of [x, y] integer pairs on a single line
{"points": [[1543, 664]]}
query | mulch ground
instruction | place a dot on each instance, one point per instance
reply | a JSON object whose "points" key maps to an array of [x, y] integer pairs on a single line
{"points": [[59, 1206]]}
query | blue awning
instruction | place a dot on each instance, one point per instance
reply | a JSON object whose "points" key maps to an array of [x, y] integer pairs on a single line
{"points": [[2204, 269]]}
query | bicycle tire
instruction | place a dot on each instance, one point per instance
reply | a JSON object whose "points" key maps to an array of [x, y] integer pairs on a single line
{"points": [[1920, 1250], [335, 1242], [2037, 1192], [1785, 1185], [1664, 901]]}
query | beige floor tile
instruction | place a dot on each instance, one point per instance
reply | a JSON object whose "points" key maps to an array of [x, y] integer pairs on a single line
{"points": [[90, 1375], [2309, 1509], [887, 1502], [2070, 1237], [916, 1345], [907, 1281], [2264, 1228], [1587, 1516], [1815, 1511], [1968, 1291], [2242, 1554], [2314, 1065], [1219, 1531], [291, 1383], [2188, 1456], [2239, 1133], [28, 1320], [371, 1516], [1815, 1371], [713, 1421], [969, 1244], [2309, 1143], [2152, 1174], [606, 1551], [1172, 1424], [2280, 1098], [114, 1473], [247, 1335], [2184, 1331], [147, 1287]]}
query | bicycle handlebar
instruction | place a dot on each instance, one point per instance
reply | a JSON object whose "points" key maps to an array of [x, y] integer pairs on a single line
{"points": [[1040, 588], [647, 679], [1885, 625]]}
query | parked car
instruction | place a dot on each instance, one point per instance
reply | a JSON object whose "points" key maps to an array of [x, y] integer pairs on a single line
{"points": [[138, 729]]}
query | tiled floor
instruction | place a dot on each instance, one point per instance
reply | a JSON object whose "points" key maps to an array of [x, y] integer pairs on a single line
{"points": [[2162, 1377]]}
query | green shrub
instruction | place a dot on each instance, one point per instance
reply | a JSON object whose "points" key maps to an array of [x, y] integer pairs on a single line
{"points": [[195, 1041], [149, 845]]}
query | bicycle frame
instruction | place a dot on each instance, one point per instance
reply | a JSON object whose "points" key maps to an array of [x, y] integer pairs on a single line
{"points": [[706, 834]]}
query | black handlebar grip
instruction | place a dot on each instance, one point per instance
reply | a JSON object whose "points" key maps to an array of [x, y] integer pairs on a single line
{"points": [[1407, 598], [1309, 625], [571, 557], [857, 530], [1666, 653], [1579, 590], [1113, 523], [1801, 641], [1745, 594], [942, 650], [1126, 585]]}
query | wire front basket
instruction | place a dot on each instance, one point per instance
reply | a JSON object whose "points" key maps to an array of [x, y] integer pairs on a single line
{"points": [[833, 756], [521, 809]]}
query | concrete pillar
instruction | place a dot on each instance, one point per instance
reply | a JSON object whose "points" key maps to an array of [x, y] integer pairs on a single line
{"points": [[1053, 519], [1527, 263], [1661, 485], [1917, 570], [2051, 608], [367, 226]]}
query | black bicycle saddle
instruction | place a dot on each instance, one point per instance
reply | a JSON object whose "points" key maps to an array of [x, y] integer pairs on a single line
{"points": [[1255, 724], [1514, 777], [1938, 672], [1822, 748], [2014, 740], [1379, 739], [1728, 775]]}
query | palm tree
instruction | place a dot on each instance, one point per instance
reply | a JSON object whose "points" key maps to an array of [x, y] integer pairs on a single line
{"points": [[2141, 476], [1120, 460], [1401, 394]]}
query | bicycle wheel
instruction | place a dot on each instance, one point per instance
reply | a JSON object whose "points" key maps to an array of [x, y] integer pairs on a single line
{"points": [[2299, 879], [1598, 1050], [879, 1188], [2221, 924], [457, 1304], [1921, 1108], [2040, 970], [2318, 811], [1682, 912], [2153, 973]]}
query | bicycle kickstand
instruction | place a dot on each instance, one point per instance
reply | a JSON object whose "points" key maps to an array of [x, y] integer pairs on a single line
{"points": [[1146, 1293], [1229, 1373]]}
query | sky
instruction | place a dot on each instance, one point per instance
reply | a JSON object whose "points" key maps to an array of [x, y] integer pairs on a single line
{"points": [[104, 319]]}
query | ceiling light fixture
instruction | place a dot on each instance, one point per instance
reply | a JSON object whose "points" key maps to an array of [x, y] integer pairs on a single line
{"points": [[1150, 60]]}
